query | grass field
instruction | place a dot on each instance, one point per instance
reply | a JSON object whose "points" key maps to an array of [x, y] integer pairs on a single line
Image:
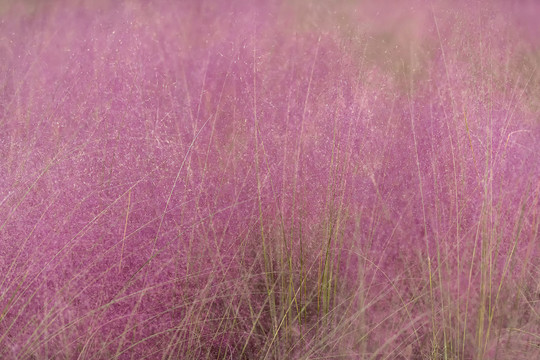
{"points": [[269, 179]]}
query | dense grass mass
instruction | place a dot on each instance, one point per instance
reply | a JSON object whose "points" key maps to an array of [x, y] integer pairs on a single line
{"points": [[269, 179]]}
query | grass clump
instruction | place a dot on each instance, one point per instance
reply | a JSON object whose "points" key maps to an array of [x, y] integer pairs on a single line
{"points": [[269, 180]]}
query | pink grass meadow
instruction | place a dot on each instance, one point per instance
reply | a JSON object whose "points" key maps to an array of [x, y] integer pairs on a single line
{"points": [[269, 180]]}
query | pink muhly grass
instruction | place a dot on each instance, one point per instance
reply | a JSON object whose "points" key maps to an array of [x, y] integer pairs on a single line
{"points": [[227, 180]]}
